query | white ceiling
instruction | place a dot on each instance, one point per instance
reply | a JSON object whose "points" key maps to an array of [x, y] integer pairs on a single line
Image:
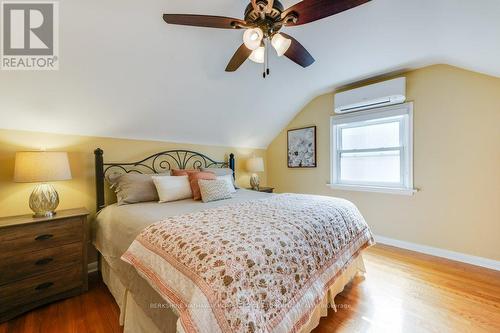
{"points": [[125, 73]]}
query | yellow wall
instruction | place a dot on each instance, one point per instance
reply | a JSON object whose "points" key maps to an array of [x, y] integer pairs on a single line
{"points": [[80, 191], [456, 164]]}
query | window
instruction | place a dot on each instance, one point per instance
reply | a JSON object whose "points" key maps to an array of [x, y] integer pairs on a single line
{"points": [[372, 150]]}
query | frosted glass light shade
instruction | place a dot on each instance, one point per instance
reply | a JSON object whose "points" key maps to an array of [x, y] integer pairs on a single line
{"points": [[40, 166], [255, 164], [281, 44], [252, 38], [258, 55]]}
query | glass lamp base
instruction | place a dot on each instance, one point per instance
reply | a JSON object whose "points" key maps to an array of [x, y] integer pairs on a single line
{"points": [[255, 182], [44, 200], [47, 214]]}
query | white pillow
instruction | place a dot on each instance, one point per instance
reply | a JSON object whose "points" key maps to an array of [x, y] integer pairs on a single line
{"points": [[229, 180], [172, 188]]}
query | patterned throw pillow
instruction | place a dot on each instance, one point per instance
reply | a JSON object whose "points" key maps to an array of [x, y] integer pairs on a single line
{"points": [[221, 172], [193, 181], [213, 190], [229, 179]]}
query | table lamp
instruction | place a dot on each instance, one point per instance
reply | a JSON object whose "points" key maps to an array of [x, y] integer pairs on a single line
{"points": [[41, 167], [254, 165]]}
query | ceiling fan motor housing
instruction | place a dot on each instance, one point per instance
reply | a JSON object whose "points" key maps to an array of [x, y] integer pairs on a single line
{"points": [[271, 22]]}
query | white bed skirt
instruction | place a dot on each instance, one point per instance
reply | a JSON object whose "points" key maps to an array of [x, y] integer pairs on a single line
{"points": [[134, 319]]}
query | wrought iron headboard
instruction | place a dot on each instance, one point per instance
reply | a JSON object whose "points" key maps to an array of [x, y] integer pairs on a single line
{"points": [[156, 163]]}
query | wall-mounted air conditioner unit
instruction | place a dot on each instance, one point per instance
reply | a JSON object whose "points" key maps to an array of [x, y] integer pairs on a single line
{"points": [[372, 96]]}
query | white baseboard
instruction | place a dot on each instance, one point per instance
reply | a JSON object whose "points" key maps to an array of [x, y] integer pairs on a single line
{"points": [[92, 267], [434, 251]]}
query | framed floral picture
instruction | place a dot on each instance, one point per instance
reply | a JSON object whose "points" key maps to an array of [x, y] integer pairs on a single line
{"points": [[302, 147]]}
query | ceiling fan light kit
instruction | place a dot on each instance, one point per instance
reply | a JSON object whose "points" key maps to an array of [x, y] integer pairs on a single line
{"points": [[263, 21], [258, 55], [252, 38], [281, 44]]}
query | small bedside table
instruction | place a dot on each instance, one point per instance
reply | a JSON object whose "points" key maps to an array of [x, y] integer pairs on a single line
{"points": [[263, 189], [41, 260]]}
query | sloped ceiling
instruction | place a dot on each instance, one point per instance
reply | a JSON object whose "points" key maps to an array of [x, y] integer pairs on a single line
{"points": [[125, 73]]}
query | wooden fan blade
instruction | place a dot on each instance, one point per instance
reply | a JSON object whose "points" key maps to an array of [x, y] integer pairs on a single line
{"points": [[220, 22], [238, 58], [308, 11], [298, 53]]}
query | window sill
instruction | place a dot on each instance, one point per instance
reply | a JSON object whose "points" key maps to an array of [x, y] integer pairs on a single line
{"points": [[375, 189]]}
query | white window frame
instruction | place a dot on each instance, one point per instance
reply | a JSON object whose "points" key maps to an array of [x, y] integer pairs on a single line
{"points": [[377, 115]]}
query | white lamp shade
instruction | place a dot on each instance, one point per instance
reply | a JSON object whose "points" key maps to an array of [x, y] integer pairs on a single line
{"points": [[40, 166], [281, 44], [252, 38], [258, 55], [255, 164]]}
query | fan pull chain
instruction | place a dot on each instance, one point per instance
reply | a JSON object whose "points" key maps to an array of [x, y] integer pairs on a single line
{"points": [[265, 60], [266, 71], [267, 56]]}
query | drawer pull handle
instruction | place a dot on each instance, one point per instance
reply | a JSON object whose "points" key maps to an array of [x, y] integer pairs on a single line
{"points": [[44, 237], [43, 261], [44, 285]]}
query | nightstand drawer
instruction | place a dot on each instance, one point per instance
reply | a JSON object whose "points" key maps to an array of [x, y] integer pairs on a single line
{"points": [[18, 267], [33, 289], [42, 260], [38, 236]]}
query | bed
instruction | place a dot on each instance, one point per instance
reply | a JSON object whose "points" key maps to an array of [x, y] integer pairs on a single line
{"points": [[274, 269]]}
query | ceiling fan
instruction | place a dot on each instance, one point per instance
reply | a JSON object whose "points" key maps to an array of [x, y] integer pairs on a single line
{"points": [[263, 21]]}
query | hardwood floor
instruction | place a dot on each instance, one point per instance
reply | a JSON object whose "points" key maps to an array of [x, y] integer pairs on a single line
{"points": [[407, 292], [94, 311], [403, 292]]}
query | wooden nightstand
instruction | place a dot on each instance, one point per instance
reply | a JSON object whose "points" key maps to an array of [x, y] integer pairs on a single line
{"points": [[263, 189], [41, 260]]}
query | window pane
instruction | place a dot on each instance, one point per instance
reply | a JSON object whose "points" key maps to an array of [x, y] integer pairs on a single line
{"points": [[371, 136], [373, 167]]}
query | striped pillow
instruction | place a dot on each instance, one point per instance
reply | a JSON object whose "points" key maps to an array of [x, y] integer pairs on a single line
{"points": [[213, 190]]}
